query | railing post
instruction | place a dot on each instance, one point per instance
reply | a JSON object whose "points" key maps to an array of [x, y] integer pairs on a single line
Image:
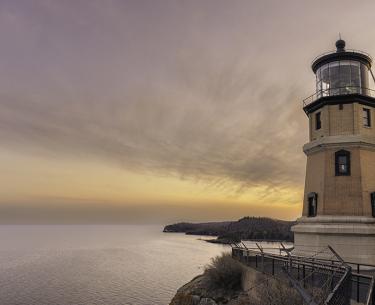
{"points": [[273, 266], [262, 262], [289, 258], [290, 264], [358, 283], [261, 250], [297, 270], [247, 253]]}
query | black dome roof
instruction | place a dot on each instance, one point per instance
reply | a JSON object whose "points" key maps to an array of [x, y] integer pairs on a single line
{"points": [[341, 54]]}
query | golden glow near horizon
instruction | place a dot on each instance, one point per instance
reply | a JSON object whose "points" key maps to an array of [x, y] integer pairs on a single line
{"points": [[51, 181]]}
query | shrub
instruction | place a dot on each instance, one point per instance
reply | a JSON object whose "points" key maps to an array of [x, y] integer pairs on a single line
{"points": [[276, 292], [224, 272]]}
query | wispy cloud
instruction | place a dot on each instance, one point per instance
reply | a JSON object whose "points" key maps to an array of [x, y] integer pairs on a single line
{"points": [[213, 122]]}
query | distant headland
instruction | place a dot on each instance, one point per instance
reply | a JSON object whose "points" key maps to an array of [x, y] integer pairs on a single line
{"points": [[250, 228]]}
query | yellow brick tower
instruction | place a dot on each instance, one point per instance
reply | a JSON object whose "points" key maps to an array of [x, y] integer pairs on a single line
{"points": [[339, 199]]}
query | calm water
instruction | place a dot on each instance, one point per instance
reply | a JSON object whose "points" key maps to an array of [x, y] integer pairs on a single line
{"points": [[97, 265]]}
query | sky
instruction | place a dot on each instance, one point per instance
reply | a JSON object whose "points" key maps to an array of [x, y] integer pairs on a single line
{"points": [[161, 111]]}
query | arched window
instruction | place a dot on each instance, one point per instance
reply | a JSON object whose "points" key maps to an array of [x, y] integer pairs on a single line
{"points": [[342, 163], [373, 204], [312, 199]]}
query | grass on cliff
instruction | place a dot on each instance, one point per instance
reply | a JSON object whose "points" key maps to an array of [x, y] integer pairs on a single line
{"points": [[224, 272], [275, 291]]}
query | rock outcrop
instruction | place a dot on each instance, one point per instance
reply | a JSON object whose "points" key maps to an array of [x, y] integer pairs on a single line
{"points": [[199, 292], [257, 289]]}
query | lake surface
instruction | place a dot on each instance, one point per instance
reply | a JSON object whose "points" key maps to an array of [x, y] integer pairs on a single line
{"points": [[97, 265]]}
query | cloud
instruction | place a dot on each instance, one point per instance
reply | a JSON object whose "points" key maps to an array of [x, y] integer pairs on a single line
{"points": [[217, 122]]}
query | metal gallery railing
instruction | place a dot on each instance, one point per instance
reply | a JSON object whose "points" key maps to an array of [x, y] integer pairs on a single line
{"points": [[347, 90]]}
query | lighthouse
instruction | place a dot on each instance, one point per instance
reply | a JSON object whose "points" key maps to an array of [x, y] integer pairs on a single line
{"points": [[339, 196]]}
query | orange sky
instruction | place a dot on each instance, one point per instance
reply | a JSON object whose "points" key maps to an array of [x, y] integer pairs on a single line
{"points": [[160, 111]]}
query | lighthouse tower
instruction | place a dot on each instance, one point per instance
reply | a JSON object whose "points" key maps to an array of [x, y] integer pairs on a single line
{"points": [[339, 198]]}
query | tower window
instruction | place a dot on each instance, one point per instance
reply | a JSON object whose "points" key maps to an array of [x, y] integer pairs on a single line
{"points": [[342, 163], [318, 121], [312, 199], [373, 204], [366, 117]]}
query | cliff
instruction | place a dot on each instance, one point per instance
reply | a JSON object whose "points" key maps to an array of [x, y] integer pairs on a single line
{"points": [[254, 228], [200, 292], [256, 289]]}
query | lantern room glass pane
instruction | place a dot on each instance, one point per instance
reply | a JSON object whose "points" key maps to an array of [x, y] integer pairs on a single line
{"points": [[335, 82], [318, 83], [325, 80], [364, 82], [355, 78], [345, 84]]}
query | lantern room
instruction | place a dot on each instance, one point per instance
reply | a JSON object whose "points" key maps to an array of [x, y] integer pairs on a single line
{"points": [[342, 72]]}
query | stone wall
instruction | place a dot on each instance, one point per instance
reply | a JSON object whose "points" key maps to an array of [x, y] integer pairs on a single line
{"points": [[341, 195], [345, 121]]}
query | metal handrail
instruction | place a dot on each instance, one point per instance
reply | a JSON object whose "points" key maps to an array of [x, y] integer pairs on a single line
{"points": [[346, 51], [348, 90], [307, 261], [305, 257], [370, 296], [354, 279]]}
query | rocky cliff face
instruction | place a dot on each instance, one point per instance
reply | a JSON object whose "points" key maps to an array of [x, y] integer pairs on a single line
{"points": [[257, 289], [200, 292]]}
